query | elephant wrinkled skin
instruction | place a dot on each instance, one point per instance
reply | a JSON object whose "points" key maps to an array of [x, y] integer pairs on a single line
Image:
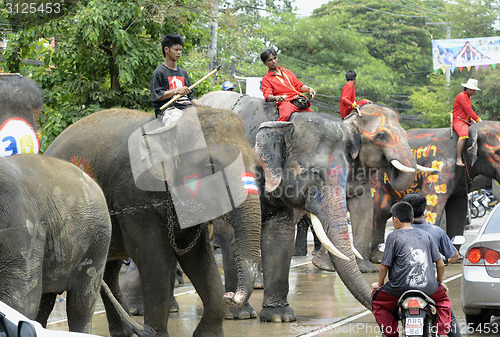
{"points": [[307, 164], [56, 232], [145, 225]]}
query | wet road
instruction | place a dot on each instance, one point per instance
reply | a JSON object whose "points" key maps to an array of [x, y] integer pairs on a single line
{"points": [[323, 305]]}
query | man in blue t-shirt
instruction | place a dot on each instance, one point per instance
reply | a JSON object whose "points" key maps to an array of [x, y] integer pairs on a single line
{"points": [[418, 202], [408, 258], [169, 79]]}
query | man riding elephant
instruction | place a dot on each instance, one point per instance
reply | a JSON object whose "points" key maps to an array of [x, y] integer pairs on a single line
{"points": [[447, 189], [295, 162], [163, 184]]}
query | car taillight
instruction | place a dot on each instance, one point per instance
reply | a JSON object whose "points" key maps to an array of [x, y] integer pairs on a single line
{"points": [[491, 256], [474, 255]]}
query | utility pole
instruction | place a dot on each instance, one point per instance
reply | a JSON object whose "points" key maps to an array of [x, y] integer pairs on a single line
{"points": [[448, 36], [214, 27]]}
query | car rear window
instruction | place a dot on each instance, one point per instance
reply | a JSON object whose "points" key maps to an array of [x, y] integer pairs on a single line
{"points": [[493, 225]]}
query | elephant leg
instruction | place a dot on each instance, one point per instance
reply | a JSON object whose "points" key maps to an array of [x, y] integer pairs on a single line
{"points": [[200, 266], [130, 285], [361, 211], [174, 305], [300, 248], [46, 305], [111, 274], [317, 243], [456, 215], [380, 217], [226, 237], [277, 241]]}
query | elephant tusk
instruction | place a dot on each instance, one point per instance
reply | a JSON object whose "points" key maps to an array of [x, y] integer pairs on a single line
{"points": [[320, 233], [354, 250], [397, 164], [426, 169]]}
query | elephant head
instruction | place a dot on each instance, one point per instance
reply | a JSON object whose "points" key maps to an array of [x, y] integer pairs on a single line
{"points": [[383, 144], [305, 163], [483, 150], [21, 102]]}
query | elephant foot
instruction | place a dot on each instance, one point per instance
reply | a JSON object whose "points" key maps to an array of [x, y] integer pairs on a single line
{"points": [[136, 310], [366, 266], [174, 305], [376, 256], [245, 312], [322, 261], [277, 315]]}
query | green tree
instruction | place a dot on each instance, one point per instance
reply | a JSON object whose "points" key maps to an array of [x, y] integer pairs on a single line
{"points": [[105, 54]]}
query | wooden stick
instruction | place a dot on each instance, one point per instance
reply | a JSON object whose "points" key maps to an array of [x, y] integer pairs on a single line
{"points": [[176, 97]]}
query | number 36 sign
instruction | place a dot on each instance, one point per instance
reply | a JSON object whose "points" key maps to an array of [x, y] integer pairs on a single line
{"points": [[17, 137]]}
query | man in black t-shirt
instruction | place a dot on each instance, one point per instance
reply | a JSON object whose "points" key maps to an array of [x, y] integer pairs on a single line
{"points": [[169, 79], [408, 258]]}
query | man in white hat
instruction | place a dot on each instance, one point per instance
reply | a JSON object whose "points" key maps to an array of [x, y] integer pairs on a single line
{"points": [[463, 116]]}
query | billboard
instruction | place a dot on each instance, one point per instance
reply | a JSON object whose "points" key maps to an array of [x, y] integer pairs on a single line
{"points": [[458, 53]]}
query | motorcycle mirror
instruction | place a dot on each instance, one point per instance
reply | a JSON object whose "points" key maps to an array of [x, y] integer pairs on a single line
{"points": [[458, 240]]}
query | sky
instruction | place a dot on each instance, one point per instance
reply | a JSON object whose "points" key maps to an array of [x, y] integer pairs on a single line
{"points": [[307, 6]]}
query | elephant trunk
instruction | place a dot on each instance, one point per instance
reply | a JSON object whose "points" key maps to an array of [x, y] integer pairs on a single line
{"points": [[246, 223], [330, 207]]}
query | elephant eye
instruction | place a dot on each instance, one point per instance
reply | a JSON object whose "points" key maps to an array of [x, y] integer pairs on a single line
{"points": [[382, 136]]}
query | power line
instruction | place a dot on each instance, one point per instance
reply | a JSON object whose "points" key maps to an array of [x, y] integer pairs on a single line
{"points": [[413, 9], [378, 10], [419, 6]]}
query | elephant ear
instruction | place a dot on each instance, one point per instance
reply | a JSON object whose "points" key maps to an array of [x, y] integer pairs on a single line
{"points": [[270, 147], [472, 150], [353, 140]]}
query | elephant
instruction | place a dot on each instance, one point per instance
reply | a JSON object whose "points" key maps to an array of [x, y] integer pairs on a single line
{"points": [[154, 203], [309, 164], [446, 190], [56, 232], [20, 102]]}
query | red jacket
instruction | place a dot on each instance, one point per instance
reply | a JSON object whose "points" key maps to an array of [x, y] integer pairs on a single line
{"points": [[273, 84], [348, 99], [462, 108]]}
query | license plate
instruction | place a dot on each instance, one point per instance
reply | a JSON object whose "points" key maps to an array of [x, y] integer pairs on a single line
{"points": [[414, 326]]}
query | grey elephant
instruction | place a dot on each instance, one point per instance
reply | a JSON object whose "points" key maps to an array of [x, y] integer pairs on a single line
{"points": [[447, 190], [56, 232], [20, 102], [309, 164], [154, 203]]}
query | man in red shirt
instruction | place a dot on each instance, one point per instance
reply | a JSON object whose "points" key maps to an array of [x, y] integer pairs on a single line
{"points": [[463, 116], [348, 96], [280, 85]]}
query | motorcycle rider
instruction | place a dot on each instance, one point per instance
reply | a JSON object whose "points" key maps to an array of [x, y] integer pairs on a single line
{"points": [[446, 248], [408, 258]]}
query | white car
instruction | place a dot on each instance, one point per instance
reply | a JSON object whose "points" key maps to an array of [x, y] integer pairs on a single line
{"points": [[15, 324], [481, 273]]}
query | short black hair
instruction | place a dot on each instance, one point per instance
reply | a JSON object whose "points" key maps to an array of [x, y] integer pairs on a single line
{"points": [[266, 54], [350, 75], [403, 211], [171, 40], [418, 202]]}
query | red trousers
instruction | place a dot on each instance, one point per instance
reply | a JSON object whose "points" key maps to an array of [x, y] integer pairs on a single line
{"points": [[286, 109], [383, 303]]}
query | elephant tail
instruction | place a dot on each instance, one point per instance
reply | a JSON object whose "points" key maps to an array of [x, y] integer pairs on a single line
{"points": [[141, 330]]}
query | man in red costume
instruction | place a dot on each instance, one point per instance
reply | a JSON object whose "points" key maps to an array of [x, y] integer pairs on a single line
{"points": [[348, 96], [463, 116], [280, 85]]}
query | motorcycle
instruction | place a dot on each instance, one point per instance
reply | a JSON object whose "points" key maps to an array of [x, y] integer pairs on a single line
{"points": [[418, 314]]}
